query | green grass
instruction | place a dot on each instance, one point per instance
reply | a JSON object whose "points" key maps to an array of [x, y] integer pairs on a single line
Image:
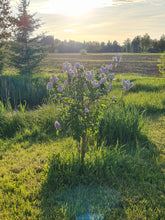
{"points": [[39, 170]]}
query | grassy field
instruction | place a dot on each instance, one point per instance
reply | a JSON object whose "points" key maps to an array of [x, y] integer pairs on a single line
{"points": [[131, 63], [41, 176]]}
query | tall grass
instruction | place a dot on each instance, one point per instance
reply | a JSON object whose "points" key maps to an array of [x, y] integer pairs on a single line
{"points": [[20, 89], [120, 125], [30, 123]]}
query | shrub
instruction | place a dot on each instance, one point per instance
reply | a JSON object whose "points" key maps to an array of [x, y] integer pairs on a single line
{"points": [[161, 64], [83, 52]]}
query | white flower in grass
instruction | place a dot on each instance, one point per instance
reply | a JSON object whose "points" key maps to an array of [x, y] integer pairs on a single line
{"points": [[95, 84], [57, 125], [108, 86], [49, 86], [60, 87], [86, 110], [127, 84], [89, 75], [111, 76]]}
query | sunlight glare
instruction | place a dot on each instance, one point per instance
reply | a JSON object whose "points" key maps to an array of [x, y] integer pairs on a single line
{"points": [[73, 7]]}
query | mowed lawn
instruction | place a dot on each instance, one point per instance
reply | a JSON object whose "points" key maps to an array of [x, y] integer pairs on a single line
{"points": [[127, 157]]}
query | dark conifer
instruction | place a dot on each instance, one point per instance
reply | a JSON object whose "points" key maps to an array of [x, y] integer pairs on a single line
{"points": [[5, 29], [26, 51]]}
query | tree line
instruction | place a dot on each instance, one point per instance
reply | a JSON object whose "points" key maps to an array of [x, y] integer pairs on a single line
{"points": [[139, 44]]}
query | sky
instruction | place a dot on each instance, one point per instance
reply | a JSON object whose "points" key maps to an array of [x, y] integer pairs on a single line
{"points": [[99, 20]]}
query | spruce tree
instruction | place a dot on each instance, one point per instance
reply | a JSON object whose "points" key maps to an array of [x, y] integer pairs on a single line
{"points": [[5, 29], [26, 52]]}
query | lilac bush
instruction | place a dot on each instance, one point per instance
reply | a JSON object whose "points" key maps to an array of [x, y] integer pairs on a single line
{"points": [[78, 96]]}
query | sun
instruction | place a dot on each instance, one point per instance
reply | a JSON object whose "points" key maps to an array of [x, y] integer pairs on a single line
{"points": [[73, 7]]}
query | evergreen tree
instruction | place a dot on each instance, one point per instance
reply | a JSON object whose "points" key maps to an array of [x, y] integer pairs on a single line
{"points": [[5, 31], [27, 52]]}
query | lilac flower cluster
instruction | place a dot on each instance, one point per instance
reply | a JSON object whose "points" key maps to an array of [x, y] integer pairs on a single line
{"points": [[102, 79], [53, 80], [106, 77], [127, 85], [117, 58]]}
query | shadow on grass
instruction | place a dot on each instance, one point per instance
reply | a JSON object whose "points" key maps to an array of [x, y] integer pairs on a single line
{"points": [[138, 87], [109, 178]]}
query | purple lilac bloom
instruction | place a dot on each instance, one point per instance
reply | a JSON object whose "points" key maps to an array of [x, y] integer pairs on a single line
{"points": [[126, 84], [114, 98], [95, 84], [65, 82], [108, 86], [111, 76], [102, 81], [55, 78], [86, 110], [60, 87], [57, 125], [67, 66], [49, 86], [85, 86], [89, 75]]}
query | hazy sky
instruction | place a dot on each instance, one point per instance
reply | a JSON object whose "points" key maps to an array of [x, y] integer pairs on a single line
{"points": [[99, 20]]}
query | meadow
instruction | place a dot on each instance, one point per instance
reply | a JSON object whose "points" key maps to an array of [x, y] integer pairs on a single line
{"points": [[122, 177]]}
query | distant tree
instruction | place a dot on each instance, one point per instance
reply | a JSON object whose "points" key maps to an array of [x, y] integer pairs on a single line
{"points": [[49, 42], [136, 44], [127, 45], [154, 47], [146, 42], [26, 50], [102, 47], [161, 43], [6, 22], [116, 47], [93, 47], [109, 47]]}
